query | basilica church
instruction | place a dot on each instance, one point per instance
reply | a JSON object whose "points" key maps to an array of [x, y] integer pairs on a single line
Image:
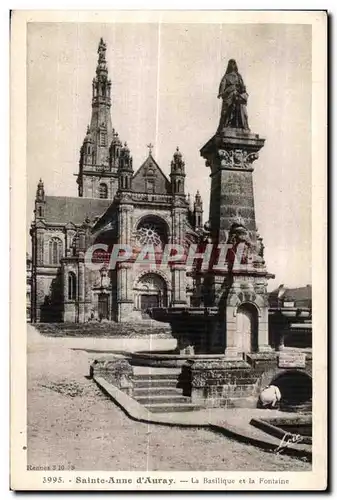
{"points": [[116, 204]]}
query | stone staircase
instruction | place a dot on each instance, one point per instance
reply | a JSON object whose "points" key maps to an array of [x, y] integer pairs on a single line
{"points": [[160, 391]]}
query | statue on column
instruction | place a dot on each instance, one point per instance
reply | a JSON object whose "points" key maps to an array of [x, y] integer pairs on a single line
{"points": [[234, 97]]}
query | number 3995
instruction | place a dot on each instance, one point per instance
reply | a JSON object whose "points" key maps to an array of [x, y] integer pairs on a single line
{"points": [[52, 479]]}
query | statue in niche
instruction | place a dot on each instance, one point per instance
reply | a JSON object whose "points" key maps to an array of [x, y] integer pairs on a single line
{"points": [[234, 97], [104, 275]]}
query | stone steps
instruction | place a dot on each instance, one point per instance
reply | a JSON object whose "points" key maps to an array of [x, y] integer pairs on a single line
{"points": [[152, 383], [149, 371], [174, 399], [171, 408], [156, 390], [161, 376]]}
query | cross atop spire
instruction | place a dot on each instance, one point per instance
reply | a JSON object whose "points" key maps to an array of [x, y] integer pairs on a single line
{"points": [[150, 146]]}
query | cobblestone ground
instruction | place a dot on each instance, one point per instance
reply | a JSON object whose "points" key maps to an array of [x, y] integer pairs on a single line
{"points": [[70, 422]]}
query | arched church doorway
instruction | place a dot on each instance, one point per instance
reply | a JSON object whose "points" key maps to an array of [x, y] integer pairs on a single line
{"points": [[296, 390], [150, 291], [247, 328]]}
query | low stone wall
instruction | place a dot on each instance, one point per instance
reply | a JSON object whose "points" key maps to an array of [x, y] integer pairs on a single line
{"points": [[234, 384], [224, 383], [116, 371]]}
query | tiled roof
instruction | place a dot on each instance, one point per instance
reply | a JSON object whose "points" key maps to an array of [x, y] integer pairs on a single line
{"points": [[63, 209], [301, 295]]}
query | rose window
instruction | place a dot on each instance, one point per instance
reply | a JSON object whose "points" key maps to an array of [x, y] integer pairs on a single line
{"points": [[148, 235]]}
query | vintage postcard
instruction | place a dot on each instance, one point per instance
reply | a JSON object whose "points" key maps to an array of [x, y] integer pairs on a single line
{"points": [[168, 250]]}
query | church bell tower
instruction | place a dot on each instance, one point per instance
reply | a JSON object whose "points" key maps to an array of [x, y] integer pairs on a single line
{"points": [[98, 168]]}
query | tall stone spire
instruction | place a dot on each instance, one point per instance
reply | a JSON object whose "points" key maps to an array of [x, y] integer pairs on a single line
{"points": [[100, 125], [98, 171]]}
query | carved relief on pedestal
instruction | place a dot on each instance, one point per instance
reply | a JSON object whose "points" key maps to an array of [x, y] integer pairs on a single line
{"points": [[237, 158]]}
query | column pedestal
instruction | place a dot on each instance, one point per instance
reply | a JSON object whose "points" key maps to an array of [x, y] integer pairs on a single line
{"points": [[179, 286], [230, 154]]}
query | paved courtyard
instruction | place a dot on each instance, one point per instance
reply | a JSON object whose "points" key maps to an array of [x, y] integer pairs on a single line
{"points": [[71, 423]]}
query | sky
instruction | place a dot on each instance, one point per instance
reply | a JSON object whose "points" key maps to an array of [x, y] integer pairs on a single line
{"points": [[165, 79]]}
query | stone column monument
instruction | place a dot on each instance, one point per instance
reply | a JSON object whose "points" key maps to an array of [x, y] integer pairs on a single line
{"points": [[241, 293]]}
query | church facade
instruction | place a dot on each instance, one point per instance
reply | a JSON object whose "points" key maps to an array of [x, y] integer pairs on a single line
{"points": [[115, 205]]}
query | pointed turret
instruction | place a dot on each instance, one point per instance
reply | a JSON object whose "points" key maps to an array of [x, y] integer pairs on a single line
{"points": [[87, 150], [177, 174], [40, 191], [115, 149], [125, 171], [40, 201], [198, 210]]}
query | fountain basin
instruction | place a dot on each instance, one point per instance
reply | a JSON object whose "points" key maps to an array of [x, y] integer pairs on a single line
{"points": [[193, 328], [172, 314], [169, 359]]}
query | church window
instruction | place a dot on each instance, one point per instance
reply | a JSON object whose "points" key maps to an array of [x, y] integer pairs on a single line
{"points": [[102, 138], [40, 211], [55, 251], [71, 286], [103, 190]]}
